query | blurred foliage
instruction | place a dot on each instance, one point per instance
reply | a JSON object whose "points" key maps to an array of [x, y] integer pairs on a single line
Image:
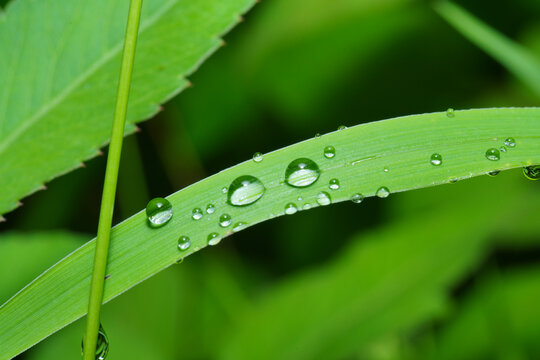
{"points": [[443, 273]]}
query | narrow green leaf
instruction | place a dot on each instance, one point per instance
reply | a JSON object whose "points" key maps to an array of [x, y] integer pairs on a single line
{"points": [[58, 68], [517, 59], [402, 146]]}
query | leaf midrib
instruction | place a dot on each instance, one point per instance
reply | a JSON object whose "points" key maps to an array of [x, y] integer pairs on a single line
{"points": [[106, 57]]}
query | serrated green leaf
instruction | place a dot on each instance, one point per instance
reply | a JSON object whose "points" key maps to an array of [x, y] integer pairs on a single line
{"points": [[403, 146], [59, 64]]}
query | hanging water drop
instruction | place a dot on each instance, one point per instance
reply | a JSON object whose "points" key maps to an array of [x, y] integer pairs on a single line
{"points": [[493, 154], [213, 239], [257, 157], [323, 198], [510, 142], [245, 190], [436, 159], [197, 214], [532, 172], [357, 198], [102, 345], [225, 220], [450, 112], [184, 243], [329, 152], [383, 192], [333, 184], [290, 209], [302, 172], [158, 211]]}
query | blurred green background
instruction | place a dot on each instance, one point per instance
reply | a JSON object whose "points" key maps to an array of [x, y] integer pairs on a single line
{"points": [[451, 272]]}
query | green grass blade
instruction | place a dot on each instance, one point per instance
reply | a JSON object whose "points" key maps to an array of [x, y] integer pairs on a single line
{"points": [[403, 146], [59, 77], [517, 59]]}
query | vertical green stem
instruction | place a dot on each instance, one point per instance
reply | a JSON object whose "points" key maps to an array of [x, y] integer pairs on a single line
{"points": [[109, 187]]}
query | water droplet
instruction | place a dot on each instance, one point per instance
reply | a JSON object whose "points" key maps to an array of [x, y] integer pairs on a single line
{"points": [[532, 172], [502, 149], [210, 208], [197, 214], [383, 192], [357, 198], [213, 239], [225, 220], [450, 112], [184, 243], [239, 226], [317, 135], [224, 189], [245, 190], [494, 172], [386, 169], [436, 159], [159, 211], [257, 157], [452, 180], [493, 154], [302, 172], [306, 206], [342, 127], [329, 152], [333, 184], [323, 198], [299, 198], [102, 345], [510, 142], [290, 209]]}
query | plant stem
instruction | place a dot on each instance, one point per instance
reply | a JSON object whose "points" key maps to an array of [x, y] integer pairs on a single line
{"points": [[109, 186]]}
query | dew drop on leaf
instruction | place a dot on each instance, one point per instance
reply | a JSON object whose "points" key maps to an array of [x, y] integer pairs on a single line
{"points": [[210, 208], [357, 198], [257, 157], [510, 142], [197, 214], [213, 239], [502, 149], [532, 172], [290, 209], [184, 243], [333, 184], [158, 211], [383, 192], [493, 154], [245, 190], [302, 172], [342, 127], [450, 112], [323, 198], [102, 345], [329, 152], [239, 226], [225, 220], [436, 159], [493, 172]]}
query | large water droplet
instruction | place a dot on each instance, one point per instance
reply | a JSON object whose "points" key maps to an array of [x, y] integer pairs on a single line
{"points": [[158, 211], [450, 112], [383, 192], [357, 198], [329, 152], [290, 209], [210, 208], [102, 345], [510, 142], [184, 243], [213, 239], [245, 190], [197, 214], [257, 157], [225, 220], [323, 198], [302, 172], [493, 154], [532, 172], [436, 159], [333, 184]]}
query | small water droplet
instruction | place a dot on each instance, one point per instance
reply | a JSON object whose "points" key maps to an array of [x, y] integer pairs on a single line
{"points": [[245, 190], [510, 142], [329, 152], [102, 345], [323, 198], [493, 154], [452, 180], [532, 172], [502, 149], [225, 220], [179, 261], [239, 226], [342, 127], [213, 239], [383, 192], [333, 184], [302, 172], [450, 112], [210, 208], [357, 198], [436, 159], [299, 198], [257, 157], [386, 169], [158, 211], [290, 209], [494, 172], [224, 189], [317, 135], [197, 214], [306, 206], [184, 243]]}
